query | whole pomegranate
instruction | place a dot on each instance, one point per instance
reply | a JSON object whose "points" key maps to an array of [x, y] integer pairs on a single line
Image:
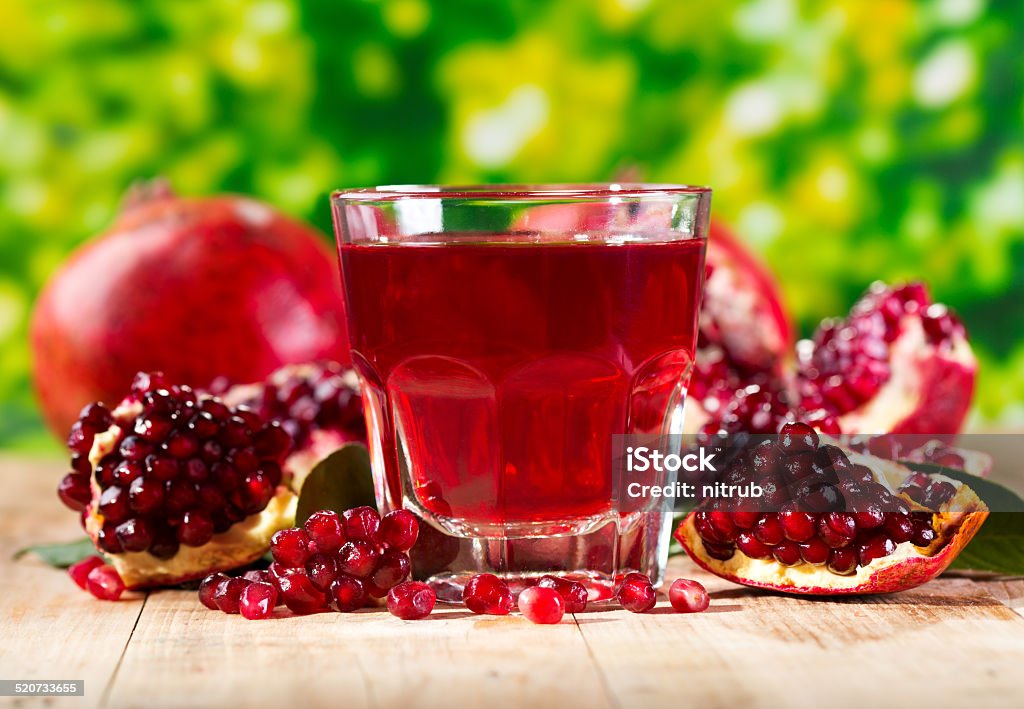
{"points": [[197, 288]]}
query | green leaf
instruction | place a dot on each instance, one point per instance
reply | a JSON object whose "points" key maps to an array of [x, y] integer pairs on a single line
{"points": [[339, 482], [999, 544], [61, 555]]}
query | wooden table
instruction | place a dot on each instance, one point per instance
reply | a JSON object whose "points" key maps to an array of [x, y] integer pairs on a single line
{"points": [[956, 642]]}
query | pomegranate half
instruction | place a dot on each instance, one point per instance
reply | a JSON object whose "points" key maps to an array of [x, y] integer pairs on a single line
{"points": [[195, 287], [831, 522]]}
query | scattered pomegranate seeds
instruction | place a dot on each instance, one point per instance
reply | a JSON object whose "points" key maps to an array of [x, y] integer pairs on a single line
{"points": [[228, 593], [79, 572], [574, 594], [104, 583], [688, 596], [486, 593], [541, 605], [208, 588], [636, 594], [411, 600]]}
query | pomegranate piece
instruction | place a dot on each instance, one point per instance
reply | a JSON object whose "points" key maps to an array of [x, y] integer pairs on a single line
{"points": [[299, 594], [541, 605], [325, 529], [228, 594], [486, 593], [208, 589], [291, 547], [104, 583], [574, 594], [399, 529], [257, 600], [411, 600], [840, 524], [347, 594], [899, 363], [79, 571], [636, 593], [362, 524], [688, 596], [153, 491], [139, 298]]}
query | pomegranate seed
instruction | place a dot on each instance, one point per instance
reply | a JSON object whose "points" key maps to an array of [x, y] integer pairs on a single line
{"points": [[291, 548], [573, 594], [899, 528], [146, 496], [869, 517], [74, 491], [636, 594], [541, 605], [399, 529], [228, 593], [258, 575], [486, 593], [322, 569], [347, 594], [104, 583], [842, 561], [208, 588], [273, 442], [832, 538], [751, 547], [196, 528], [797, 526], [745, 519], [326, 530], [923, 534], [134, 535], [815, 552], [413, 600], [299, 593], [358, 559], [257, 600], [688, 596], [393, 568], [787, 553], [768, 530], [362, 523], [797, 437], [113, 505], [875, 548], [79, 571]]}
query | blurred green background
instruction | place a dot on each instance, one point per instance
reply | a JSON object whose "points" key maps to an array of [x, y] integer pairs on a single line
{"points": [[846, 141]]}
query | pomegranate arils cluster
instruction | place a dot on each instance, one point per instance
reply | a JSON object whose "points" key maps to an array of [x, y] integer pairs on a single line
{"points": [[849, 360], [181, 468], [311, 397], [332, 561], [818, 507]]}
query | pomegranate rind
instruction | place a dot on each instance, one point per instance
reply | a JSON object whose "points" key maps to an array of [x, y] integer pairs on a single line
{"points": [[910, 566], [929, 392], [244, 543]]}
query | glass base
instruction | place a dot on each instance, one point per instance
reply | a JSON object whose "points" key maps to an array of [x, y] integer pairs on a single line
{"points": [[598, 559]]}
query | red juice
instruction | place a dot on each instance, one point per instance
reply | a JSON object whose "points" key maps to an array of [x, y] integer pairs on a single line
{"points": [[496, 373]]}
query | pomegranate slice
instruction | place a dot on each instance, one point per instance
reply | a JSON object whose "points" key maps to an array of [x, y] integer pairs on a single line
{"points": [[899, 363], [837, 522], [180, 485]]}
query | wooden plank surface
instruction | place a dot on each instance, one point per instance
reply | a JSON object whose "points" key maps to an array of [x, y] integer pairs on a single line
{"points": [[956, 641]]}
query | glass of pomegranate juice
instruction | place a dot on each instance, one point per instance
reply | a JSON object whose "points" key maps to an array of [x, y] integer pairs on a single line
{"points": [[505, 338]]}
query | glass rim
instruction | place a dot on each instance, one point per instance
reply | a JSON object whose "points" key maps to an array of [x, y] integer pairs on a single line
{"points": [[519, 192]]}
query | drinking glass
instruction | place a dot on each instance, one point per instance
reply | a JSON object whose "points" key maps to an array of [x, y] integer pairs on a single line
{"points": [[506, 338]]}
